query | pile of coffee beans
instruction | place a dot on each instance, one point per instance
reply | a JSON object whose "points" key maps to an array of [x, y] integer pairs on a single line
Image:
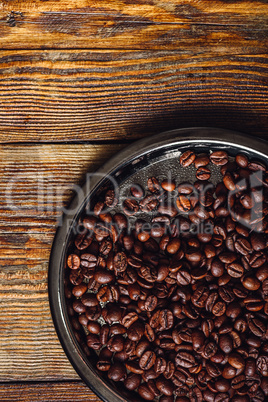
{"points": [[171, 292]]}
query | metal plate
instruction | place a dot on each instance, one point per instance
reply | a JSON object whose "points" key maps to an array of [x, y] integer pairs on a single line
{"points": [[158, 156]]}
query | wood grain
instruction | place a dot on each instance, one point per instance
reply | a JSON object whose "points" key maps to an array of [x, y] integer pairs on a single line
{"points": [[97, 95], [47, 392], [30, 349], [139, 24]]}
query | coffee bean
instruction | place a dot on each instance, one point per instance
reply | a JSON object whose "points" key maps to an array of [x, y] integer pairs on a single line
{"points": [[120, 262], [93, 341], [131, 207], [83, 241], [183, 277], [145, 392], [79, 290], [229, 372], [219, 308], [103, 276], [219, 158], [200, 296], [183, 203], [238, 382], [264, 385], [236, 360], [73, 261], [132, 381], [217, 268], [212, 369], [251, 283], [210, 349], [173, 246], [168, 185], [187, 158], [185, 359], [256, 326], [137, 191], [201, 160], [222, 385], [148, 203], [235, 270], [147, 360], [150, 303], [228, 181], [203, 173], [242, 246], [168, 210], [226, 343]]}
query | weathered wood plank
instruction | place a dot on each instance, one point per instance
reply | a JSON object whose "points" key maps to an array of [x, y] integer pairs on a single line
{"points": [[81, 95], [133, 24], [29, 347], [47, 391]]}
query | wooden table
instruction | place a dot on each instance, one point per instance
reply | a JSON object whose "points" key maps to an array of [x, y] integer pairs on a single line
{"points": [[79, 79]]}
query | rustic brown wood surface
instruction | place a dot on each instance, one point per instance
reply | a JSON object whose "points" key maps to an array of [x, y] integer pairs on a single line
{"points": [[128, 24], [71, 391], [85, 95], [78, 80]]}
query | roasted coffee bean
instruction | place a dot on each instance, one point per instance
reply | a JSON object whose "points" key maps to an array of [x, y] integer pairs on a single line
{"points": [[147, 360], [148, 203], [217, 267], [200, 296], [120, 262], [242, 246], [226, 343], [228, 181], [212, 369], [241, 160], [183, 203], [132, 381], [73, 261], [150, 303], [153, 185], [93, 341], [137, 191], [256, 326], [203, 173], [251, 283], [235, 270], [135, 331], [183, 277], [187, 158], [173, 246], [131, 206], [89, 300], [219, 308], [168, 185], [222, 385], [117, 372], [79, 290], [83, 240], [88, 260], [201, 160], [116, 343], [238, 382], [236, 360], [103, 276], [185, 359], [219, 158], [145, 392]]}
